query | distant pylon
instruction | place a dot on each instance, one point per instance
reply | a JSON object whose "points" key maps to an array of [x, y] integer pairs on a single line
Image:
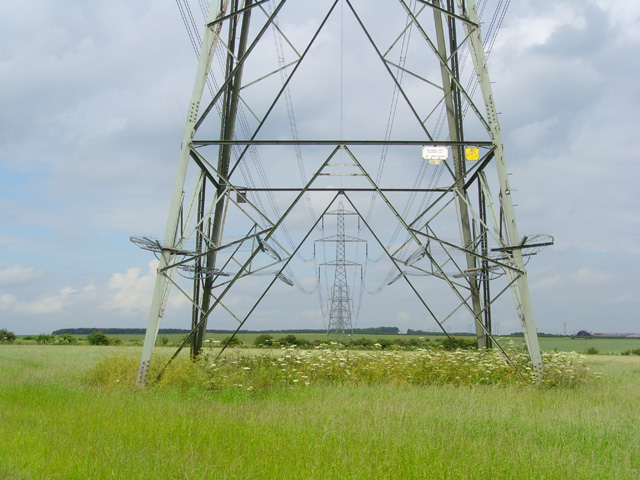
{"points": [[340, 320], [340, 313]]}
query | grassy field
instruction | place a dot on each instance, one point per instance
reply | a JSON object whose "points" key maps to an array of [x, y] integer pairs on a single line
{"points": [[53, 424]]}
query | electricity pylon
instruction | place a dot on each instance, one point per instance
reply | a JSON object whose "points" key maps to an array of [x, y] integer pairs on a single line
{"points": [[340, 321], [220, 232]]}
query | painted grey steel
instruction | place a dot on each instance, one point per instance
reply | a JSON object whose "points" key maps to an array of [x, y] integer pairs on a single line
{"points": [[199, 217], [162, 285], [521, 293]]}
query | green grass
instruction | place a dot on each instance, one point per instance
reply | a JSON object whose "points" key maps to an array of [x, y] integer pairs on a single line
{"points": [[53, 424]]}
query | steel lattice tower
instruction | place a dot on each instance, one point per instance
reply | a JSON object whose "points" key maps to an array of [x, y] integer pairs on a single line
{"points": [[340, 320], [221, 232], [340, 314]]}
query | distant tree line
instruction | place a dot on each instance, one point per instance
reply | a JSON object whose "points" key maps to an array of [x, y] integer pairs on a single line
{"points": [[425, 332], [114, 331], [164, 331]]}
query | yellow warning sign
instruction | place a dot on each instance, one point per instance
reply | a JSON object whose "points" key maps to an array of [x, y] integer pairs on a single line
{"points": [[473, 153]]}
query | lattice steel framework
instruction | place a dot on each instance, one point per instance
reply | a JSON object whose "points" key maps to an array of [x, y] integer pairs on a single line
{"points": [[221, 233], [340, 318]]}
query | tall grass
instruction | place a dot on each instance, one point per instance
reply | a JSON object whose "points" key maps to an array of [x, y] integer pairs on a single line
{"points": [[293, 368], [54, 425]]}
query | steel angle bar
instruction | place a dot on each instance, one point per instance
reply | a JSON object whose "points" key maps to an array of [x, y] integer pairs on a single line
{"points": [[346, 189], [228, 51], [450, 189], [244, 239], [445, 66], [239, 65], [495, 341], [268, 236], [205, 315], [203, 163], [218, 248], [435, 109], [458, 47], [275, 227], [238, 12], [407, 228], [221, 304], [427, 273], [488, 333], [393, 44], [246, 105], [198, 225], [244, 272], [264, 77], [455, 310], [415, 75], [395, 80], [192, 205], [447, 12], [347, 263], [482, 163], [462, 249], [441, 267], [475, 215], [238, 190], [188, 297], [395, 263], [486, 227], [277, 27], [285, 84], [248, 215], [238, 244], [491, 208], [342, 142], [281, 270], [500, 293], [521, 246]]}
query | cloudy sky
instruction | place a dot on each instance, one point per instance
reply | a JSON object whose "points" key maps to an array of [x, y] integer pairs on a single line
{"points": [[93, 97]]}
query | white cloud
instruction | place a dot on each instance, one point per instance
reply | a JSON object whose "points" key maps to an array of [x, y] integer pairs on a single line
{"points": [[65, 298], [6, 301], [532, 30], [592, 276], [546, 282], [130, 292], [17, 274]]}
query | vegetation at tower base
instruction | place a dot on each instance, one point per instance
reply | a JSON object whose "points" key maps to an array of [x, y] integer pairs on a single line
{"points": [[293, 368]]}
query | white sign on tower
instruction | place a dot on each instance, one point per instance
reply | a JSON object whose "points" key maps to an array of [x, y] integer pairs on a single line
{"points": [[435, 154]]}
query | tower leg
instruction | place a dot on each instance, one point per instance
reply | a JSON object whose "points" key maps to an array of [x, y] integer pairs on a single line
{"points": [[456, 134], [521, 290], [163, 285]]}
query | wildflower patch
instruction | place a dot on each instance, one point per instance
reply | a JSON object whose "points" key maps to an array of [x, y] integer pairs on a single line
{"points": [[298, 369], [292, 368]]}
